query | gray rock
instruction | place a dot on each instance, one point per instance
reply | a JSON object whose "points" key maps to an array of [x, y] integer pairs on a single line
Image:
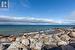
{"points": [[67, 47]]}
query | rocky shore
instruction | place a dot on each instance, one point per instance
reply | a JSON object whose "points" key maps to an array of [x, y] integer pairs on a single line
{"points": [[60, 39]]}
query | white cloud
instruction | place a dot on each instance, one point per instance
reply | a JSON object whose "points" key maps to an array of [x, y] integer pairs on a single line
{"points": [[26, 20]]}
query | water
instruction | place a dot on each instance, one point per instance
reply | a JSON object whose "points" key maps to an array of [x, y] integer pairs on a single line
{"points": [[19, 29]]}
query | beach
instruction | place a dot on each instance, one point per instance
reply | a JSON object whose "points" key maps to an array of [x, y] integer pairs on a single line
{"points": [[59, 39]]}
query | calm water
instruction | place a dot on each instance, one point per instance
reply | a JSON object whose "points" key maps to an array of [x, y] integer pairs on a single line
{"points": [[16, 29]]}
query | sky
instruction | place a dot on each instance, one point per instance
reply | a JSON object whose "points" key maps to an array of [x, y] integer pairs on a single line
{"points": [[38, 12]]}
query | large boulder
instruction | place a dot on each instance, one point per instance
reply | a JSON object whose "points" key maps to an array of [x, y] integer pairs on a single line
{"points": [[38, 45], [12, 38], [56, 38], [4, 39], [12, 46], [52, 42], [33, 43], [45, 40], [64, 37], [72, 34], [25, 41], [17, 46]]}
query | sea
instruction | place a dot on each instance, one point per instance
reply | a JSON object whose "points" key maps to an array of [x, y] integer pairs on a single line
{"points": [[20, 29]]}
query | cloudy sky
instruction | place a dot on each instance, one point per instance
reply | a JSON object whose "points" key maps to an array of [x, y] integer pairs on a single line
{"points": [[38, 12]]}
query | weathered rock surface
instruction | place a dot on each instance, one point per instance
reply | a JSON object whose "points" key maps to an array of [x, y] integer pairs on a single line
{"points": [[64, 37], [72, 34], [62, 43], [17, 46], [67, 47], [36, 41], [1, 47]]}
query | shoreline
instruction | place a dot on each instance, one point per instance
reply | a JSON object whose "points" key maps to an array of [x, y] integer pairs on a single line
{"points": [[16, 30], [36, 41], [21, 33]]}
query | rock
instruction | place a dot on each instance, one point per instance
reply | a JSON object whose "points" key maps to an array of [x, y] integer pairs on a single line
{"points": [[72, 34], [52, 44], [33, 42], [37, 36], [67, 47], [1, 36], [56, 38], [72, 44], [36, 41], [12, 38], [55, 48], [65, 37], [72, 39], [18, 39], [45, 40], [4, 39], [38, 45], [43, 35], [1, 47], [5, 45], [50, 41], [62, 43], [12, 49], [25, 41], [17, 46], [53, 40]]}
